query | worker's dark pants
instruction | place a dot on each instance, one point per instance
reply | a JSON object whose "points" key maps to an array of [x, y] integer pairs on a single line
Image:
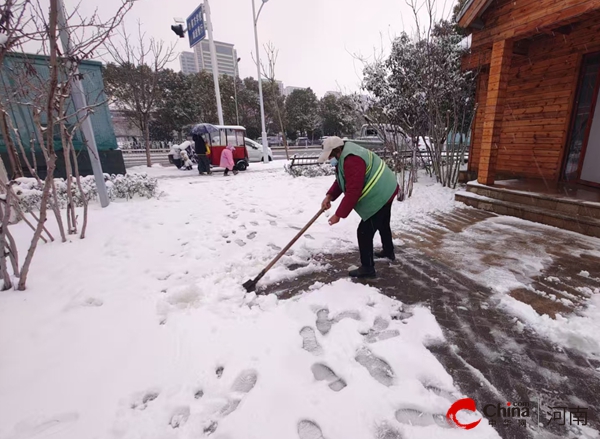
{"points": [[203, 164], [366, 231]]}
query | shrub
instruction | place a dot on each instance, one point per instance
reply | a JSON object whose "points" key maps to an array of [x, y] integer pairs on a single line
{"points": [[129, 186]]}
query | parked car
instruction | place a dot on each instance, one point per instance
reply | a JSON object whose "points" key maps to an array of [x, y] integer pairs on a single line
{"points": [[321, 140], [275, 141], [255, 150], [303, 141]]}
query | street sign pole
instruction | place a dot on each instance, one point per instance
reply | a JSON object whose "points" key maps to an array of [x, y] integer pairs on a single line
{"points": [[213, 58]]}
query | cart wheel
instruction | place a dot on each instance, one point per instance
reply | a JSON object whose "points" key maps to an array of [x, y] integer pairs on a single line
{"points": [[241, 166]]}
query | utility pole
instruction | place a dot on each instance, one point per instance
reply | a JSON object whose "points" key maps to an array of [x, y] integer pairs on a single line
{"points": [[213, 60], [80, 102], [235, 78]]}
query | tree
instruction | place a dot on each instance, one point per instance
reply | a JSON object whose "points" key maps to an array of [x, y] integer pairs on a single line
{"points": [[421, 89], [44, 91], [338, 115], [133, 79], [275, 101], [302, 109]]}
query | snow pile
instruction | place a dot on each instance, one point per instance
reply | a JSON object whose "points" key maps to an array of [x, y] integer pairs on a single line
{"points": [[310, 170], [29, 190], [341, 359], [575, 331]]}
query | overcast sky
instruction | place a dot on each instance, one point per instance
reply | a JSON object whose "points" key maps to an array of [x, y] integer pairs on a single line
{"points": [[316, 38]]}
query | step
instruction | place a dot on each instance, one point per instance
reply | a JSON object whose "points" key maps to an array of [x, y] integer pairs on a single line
{"points": [[568, 206], [580, 224]]}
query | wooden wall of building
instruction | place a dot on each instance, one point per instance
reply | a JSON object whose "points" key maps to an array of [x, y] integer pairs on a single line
{"points": [[505, 19], [540, 94]]}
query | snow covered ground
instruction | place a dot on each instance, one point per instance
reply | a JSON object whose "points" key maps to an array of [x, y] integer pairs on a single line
{"points": [[143, 330]]}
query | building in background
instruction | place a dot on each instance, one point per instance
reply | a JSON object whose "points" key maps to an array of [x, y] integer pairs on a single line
{"points": [[199, 59], [289, 89], [187, 63], [337, 94]]}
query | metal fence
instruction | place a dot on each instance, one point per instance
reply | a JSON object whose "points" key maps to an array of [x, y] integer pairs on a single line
{"points": [[137, 157]]}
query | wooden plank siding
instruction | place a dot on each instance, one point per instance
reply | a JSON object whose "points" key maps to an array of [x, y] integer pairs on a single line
{"points": [[540, 94], [518, 19]]}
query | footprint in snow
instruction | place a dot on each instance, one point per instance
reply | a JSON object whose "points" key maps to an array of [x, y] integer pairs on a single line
{"points": [[233, 216], [309, 237], [381, 336], [179, 417], [211, 428], [273, 223], [91, 301], [199, 394], [274, 247], [324, 373], [219, 371], [440, 392], [379, 369], [240, 242], [414, 417], [379, 331], [323, 322], [351, 314], [251, 235], [242, 385], [254, 223], [142, 403], [309, 430], [309, 341], [386, 431]]}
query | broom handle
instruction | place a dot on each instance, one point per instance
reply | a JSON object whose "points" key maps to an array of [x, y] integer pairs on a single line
{"points": [[292, 242]]}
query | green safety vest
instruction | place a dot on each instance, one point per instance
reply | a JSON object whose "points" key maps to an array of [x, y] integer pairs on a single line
{"points": [[380, 182]]}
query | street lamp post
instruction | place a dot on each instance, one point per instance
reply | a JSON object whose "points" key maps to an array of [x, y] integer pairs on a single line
{"points": [[235, 77], [265, 142]]}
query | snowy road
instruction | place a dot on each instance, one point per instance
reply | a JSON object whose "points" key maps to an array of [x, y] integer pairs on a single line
{"points": [[143, 330]]}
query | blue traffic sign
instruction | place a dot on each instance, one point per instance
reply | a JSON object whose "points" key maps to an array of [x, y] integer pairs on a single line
{"points": [[195, 26]]}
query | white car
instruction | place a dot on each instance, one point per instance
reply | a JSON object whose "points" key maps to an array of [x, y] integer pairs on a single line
{"points": [[255, 150]]}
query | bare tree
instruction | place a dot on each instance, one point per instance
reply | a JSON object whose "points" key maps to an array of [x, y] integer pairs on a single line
{"points": [[133, 81], [44, 91], [269, 74]]}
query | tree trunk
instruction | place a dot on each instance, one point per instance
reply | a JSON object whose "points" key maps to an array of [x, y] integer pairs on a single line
{"points": [[51, 154], [147, 141], [84, 200], [13, 156]]}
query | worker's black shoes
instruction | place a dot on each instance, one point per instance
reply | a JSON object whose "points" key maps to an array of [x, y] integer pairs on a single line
{"points": [[382, 254], [363, 272]]}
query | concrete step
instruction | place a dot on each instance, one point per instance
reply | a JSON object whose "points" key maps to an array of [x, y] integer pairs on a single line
{"points": [[575, 223], [568, 206]]}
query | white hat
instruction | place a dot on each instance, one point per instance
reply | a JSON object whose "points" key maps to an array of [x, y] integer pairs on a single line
{"points": [[329, 144]]}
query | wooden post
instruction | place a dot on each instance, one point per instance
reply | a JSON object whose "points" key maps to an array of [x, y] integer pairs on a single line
{"points": [[494, 111]]}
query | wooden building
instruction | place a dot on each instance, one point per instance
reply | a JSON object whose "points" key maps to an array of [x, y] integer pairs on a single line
{"points": [[537, 90]]}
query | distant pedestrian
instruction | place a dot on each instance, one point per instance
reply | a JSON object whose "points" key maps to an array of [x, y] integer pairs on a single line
{"points": [[227, 160], [187, 162], [202, 153], [176, 153]]}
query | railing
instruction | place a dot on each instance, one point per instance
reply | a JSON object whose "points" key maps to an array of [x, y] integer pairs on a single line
{"points": [[137, 157]]}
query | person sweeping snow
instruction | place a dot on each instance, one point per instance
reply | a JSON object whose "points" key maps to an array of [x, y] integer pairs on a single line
{"points": [[369, 188], [227, 160]]}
